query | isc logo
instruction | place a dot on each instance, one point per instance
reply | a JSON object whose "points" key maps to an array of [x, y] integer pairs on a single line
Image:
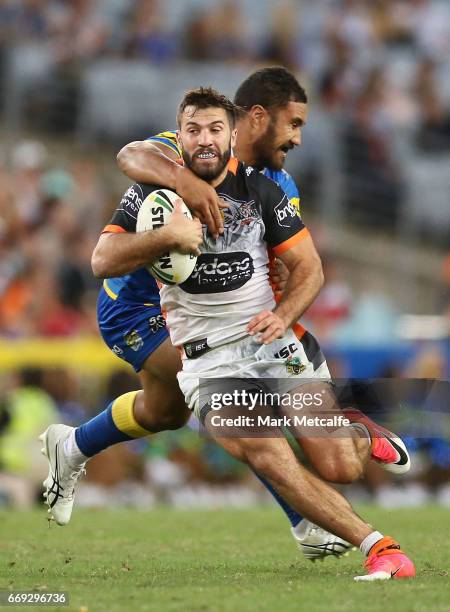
{"points": [[286, 351]]}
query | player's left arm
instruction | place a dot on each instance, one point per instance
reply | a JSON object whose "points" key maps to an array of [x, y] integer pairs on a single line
{"points": [[304, 283], [293, 245], [305, 280]]}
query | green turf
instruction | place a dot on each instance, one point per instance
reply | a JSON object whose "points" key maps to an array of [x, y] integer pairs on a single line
{"points": [[214, 560]]}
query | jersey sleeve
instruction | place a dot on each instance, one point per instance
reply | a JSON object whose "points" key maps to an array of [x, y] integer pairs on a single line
{"points": [[287, 184], [284, 226], [125, 216], [168, 139], [291, 191]]}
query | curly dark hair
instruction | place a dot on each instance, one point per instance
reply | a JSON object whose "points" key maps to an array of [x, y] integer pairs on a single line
{"points": [[207, 97]]}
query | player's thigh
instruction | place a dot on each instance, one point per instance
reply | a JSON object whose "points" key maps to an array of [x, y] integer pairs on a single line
{"points": [[164, 363], [133, 332], [320, 428], [158, 377], [270, 457], [309, 402], [162, 405]]}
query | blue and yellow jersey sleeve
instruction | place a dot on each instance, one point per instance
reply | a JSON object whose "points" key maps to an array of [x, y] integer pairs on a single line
{"points": [[287, 184], [168, 139]]}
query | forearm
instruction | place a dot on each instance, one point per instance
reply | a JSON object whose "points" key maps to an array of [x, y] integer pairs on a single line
{"points": [[301, 290], [120, 254], [143, 162]]}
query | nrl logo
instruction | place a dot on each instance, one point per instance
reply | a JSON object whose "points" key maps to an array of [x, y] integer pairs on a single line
{"points": [[133, 340], [294, 366]]}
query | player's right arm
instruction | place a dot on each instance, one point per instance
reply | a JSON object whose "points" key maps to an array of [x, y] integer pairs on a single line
{"points": [[120, 250], [157, 161]]}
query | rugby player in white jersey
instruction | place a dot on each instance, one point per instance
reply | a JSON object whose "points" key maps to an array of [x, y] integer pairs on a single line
{"points": [[132, 325], [276, 110], [271, 133], [228, 325]]}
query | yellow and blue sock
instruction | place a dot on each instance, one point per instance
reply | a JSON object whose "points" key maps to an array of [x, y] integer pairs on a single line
{"points": [[115, 424]]}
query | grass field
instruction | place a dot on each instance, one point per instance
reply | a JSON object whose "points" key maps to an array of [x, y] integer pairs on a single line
{"points": [[214, 560]]}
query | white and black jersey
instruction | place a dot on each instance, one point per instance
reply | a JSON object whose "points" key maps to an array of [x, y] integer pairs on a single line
{"points": [[230, 282]]}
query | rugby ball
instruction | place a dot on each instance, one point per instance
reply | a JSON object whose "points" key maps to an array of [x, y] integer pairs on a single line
{"points": [[172, 268]]}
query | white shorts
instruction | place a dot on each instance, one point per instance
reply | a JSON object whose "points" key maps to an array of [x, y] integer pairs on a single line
{"points": [[289, 359]]}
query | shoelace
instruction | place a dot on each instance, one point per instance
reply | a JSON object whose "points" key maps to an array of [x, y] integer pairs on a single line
{"points": [[75, 475]]}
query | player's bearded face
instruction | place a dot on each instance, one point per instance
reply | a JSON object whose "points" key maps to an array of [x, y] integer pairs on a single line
{"points": [[206, 140], [207, 162], [282, 134]]}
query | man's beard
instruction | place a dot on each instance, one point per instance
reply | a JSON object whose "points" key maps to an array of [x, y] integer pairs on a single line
{"points": [[264, 151], [205, 173]]}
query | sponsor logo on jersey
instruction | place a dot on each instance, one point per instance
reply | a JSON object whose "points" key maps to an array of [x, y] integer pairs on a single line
{"points": [[156, 323], [133, 340], [294, 366], [240, 214], [286, 351], [196, 349], [117, 350], [220, 272], [285, 212], [132, 199]]}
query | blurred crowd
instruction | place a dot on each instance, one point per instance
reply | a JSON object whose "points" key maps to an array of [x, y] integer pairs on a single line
{"points": [[377, 73], [50, 218], [342, 47], [300, 35]]}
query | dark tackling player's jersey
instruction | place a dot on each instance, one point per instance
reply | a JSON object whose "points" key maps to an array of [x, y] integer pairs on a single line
{"points": [[230, 281]]}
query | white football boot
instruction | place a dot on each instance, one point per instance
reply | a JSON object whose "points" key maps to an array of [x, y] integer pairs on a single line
{"points": [[62, 477], [316, 543]]}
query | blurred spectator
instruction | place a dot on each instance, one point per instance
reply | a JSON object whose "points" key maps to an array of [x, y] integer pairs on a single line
{"points": [[374, 187], [333, 305], [30, 410], [350, 21], [29, 159], [433, 133], [280, 46], [31, 20], [150, 37], [218, 34], [444, 302], [64, 388]]}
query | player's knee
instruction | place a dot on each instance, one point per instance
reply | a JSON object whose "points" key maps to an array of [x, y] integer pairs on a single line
{"points": [[340, 470], [162, 415], [170, 420], [177, 419]]}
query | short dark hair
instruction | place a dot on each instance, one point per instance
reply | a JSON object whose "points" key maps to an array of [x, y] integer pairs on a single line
{"points": [[272, 87], [207, 97]]}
